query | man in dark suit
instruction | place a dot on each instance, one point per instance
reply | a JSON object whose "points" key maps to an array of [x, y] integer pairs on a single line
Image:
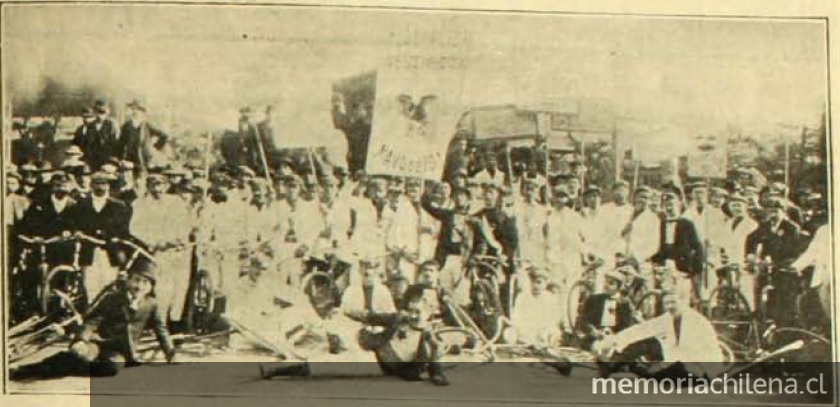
{"points": [[777, 236], [108, 339], [98, 138], [52, 217], [606, 313], [495, 230], [105, 218], [140, 142], [455, 236], [679, 241], [780, 239]]}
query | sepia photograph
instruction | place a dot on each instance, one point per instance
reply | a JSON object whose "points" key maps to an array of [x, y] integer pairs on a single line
{"points": [[373, 203]]}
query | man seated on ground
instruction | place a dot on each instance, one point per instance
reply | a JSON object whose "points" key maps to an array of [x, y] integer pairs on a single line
{"points": [[108, 340], [405, 348], [682, 342], [605, 314], [536, 311]]}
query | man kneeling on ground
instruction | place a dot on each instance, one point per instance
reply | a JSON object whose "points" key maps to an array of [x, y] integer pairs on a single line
{"points": [[404, 349]]}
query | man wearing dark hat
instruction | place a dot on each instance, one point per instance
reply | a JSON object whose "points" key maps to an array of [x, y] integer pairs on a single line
{"points": [[140, 142], [100, 141], [80, 136], [101, 217], [252, 146], [679, 241], [781, 241], [108, 340], [43, 219], [494, 227], [777, 236]]}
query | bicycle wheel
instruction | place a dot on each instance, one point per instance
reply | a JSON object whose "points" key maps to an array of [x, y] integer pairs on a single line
{"points": [[650, 305], [576, 297], [730, 314], [67, 280], [817, 348]]}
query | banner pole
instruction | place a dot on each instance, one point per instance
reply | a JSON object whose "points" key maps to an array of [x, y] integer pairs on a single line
{"points": [[263, 158]]}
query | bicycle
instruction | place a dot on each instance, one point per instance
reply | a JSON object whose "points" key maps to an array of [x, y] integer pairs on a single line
{"points": [[580, 291], [30, 337], [25, 301], [67, 278], [124, 270]]}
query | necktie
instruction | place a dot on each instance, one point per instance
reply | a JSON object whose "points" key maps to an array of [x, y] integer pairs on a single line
{"points": [[677, 326], [736, 222]]}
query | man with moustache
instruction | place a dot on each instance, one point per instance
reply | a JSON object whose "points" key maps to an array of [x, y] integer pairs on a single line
{"points": [[108, 340], [680, 243], [102, 217], [140, 142]]}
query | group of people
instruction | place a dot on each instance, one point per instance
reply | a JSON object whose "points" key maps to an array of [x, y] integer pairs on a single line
{"points": [[397, 248]]}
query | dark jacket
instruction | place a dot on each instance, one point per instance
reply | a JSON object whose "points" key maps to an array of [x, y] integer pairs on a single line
{"points": [[593, 310], [455, 235], [112, 221], [118, 327], [504, 230], [97, 145], [41, 219], [687, 251], [783, 246], [138, 143]]}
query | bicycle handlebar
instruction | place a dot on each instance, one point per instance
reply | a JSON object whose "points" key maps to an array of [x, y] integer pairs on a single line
{"points": [[137, 248], [40, 240]]}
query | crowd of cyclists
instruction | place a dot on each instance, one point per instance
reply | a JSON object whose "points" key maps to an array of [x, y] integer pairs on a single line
{"points": [[526, 256]]}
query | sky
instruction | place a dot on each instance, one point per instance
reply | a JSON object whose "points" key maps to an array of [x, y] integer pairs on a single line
{"points": [[198, 64]]}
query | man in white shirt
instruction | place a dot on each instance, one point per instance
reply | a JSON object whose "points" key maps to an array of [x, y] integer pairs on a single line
{"points": [[565, 236], [531, 218], [299, 228], [682, 340], [620, 210], [640, 232], [818, 254], [734, 244], [537, 311], [162, 221]]}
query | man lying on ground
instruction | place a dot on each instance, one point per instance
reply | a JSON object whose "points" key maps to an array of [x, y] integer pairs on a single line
{"points": [[405, 348], [108, 340]]}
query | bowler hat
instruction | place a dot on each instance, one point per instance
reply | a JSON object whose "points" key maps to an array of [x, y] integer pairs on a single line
{"points": [[100, 107], [145, 268], [137, 104]]}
